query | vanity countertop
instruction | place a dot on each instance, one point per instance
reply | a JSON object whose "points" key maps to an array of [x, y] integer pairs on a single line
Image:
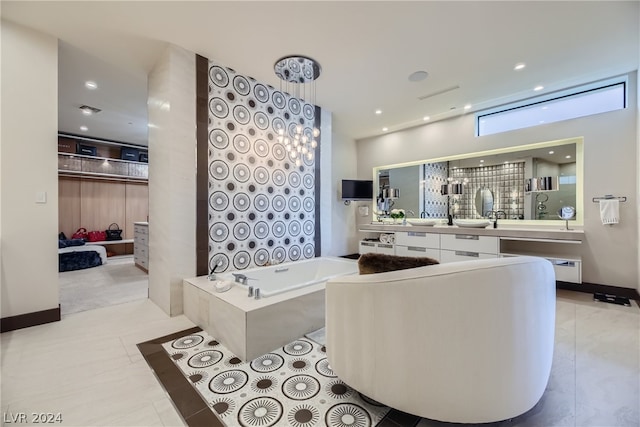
{"points": [[505, 231], [141, 223]]}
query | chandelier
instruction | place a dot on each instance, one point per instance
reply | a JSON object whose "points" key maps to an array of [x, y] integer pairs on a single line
{"points": [[298, 76]]}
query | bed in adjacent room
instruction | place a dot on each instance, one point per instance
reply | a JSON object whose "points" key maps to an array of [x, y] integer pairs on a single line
{"points": [[75, 255]]}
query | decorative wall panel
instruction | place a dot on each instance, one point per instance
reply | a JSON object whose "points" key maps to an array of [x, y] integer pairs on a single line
{"points": [[261, 205], [434, 175]]}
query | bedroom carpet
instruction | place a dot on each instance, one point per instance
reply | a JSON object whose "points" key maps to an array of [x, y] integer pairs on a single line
{"points": [[116, 282]]}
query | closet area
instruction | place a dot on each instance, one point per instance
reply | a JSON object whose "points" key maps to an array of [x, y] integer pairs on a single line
{"points": [[102, 185]]}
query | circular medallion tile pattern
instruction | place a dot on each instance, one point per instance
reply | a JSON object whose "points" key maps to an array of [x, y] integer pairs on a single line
{"points": [[275, 389], [261, 411], [252, 178]]}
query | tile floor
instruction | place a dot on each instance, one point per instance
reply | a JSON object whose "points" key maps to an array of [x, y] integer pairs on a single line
{"points": [[116, 282], [87, 367]]}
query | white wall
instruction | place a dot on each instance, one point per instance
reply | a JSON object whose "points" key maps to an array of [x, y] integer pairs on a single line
{"points": [[172, 177], [28, 164], [342, 239], [610, 256]]}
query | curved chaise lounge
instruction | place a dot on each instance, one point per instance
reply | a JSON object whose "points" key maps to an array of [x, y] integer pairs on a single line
{"points": [[466, 342]]}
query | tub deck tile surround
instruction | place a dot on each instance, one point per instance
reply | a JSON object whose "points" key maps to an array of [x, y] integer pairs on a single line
{"points": [[251, 327]]}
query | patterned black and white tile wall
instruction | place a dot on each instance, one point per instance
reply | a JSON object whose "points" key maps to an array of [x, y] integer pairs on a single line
{"points": [[261, 205], [506, 183], [434, 175]]}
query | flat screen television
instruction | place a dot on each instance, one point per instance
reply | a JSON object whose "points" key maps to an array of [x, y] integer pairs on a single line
{"points": [[353, 189]]}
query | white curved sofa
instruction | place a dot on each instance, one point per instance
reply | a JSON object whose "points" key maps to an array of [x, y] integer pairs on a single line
{"points": [[466, 342]]}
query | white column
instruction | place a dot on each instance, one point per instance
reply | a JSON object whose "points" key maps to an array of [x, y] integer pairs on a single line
{"points": [[172, 177]]}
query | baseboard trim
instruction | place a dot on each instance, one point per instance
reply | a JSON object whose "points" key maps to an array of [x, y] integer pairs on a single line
{"points": [[30, 319], [605, 289]]}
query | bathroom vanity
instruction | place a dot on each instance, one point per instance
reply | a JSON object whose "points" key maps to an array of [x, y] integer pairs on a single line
{"points": [[452, 243]]}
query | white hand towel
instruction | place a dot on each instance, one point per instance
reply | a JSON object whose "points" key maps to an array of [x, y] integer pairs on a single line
{"points": [[610, 211]]}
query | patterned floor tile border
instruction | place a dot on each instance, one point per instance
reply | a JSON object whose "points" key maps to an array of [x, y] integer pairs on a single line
{"points": [[292, 386]]}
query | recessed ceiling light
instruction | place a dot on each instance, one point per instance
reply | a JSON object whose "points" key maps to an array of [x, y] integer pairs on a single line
{"points": [[84, 128], [481, 161], [466, 107], [425, 118], [519, 66], [86, 111], [567, 157], [378, 111], [91, 85], [537, 88], [385, 129], [551, 152], [418, 76], [506, 163]]}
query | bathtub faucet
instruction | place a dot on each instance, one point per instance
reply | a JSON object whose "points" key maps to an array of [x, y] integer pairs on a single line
{"points": [[240, 278]]}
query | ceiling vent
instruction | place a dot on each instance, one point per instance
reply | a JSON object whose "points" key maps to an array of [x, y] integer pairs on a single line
{"points": [[86, 109], [439, 92]]}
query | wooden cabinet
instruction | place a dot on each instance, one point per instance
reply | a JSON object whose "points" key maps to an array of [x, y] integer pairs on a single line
{"points": [[141, 245]]}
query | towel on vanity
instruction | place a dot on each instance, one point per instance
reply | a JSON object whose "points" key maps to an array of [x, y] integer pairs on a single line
{"points": [[610, 211]]}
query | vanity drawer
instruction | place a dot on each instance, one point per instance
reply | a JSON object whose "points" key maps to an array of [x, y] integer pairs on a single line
{"points": [[452, 256], [418, 238], [416, 251], [470, 243], [384, 248], [567, 270], [368, 247]]}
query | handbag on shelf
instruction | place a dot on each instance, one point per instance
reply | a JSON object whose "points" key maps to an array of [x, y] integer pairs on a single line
{"points": [[113, 233], [81, 233], [97, 236]]}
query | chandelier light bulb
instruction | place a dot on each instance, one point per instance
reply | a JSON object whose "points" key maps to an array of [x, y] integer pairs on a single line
{"points": [[294, 154], [305, 139], [286, 140], [287, 147], [280, 139], [280, 131], [297, 137], [305, 150], [314, 143], [298, 162], [296, 142], [316, 132], [310, 156], [299, 128], [299, 148]]}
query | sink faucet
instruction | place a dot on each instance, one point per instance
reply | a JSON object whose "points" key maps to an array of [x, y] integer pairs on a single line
{"points": [[495, 215], [411, 212], [240, 278], [424, 214]]}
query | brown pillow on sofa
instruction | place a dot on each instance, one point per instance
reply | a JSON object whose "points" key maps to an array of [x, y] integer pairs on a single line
{"points": [[379, 263]]}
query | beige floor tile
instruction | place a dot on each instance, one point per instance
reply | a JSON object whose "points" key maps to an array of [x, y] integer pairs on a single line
{"points": [[86, 368], [167, 413]]}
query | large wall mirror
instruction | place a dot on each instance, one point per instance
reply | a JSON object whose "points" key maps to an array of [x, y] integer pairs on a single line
{"points": [[490, 181]]}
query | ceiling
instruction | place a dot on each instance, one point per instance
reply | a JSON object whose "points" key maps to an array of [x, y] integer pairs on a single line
{"points": [[367, 50]]}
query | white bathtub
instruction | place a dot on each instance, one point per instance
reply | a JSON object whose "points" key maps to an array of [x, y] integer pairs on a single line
{"points": [[276, 279], [293, 304]]}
